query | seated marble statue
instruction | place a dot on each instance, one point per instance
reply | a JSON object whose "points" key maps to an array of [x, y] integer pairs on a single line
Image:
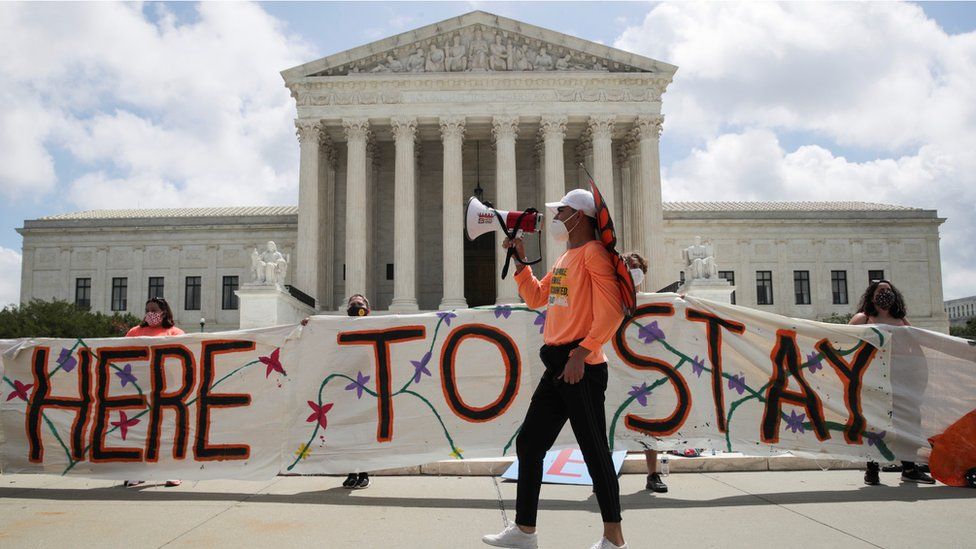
{"points": [[699, 260], [269, 266]]}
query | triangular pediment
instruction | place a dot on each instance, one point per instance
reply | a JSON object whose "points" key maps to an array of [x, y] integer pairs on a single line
{"points": [[478, 42]]}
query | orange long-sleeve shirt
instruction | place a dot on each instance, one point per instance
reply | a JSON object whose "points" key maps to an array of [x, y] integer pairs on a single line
{"points": [[582, 297]]}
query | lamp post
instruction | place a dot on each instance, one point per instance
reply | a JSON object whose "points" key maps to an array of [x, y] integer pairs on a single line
{"points": [[203, 321]]}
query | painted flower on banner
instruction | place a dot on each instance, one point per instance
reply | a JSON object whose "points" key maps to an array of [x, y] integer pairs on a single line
{"points": [[456, 454], [503, 311], [794, 422], [874, 438], [540, 321], [124, 423], [698, 366], [359, 385], [273, 363], [738, 383], [446, 316], [640, 393], [814, 362], [318, 413], [125, 375], [19, 391], [66, 361], [303, 451], [420, 367], [650, 333]]}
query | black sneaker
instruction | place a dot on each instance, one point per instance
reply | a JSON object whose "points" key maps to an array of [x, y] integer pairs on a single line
{"points": [[893, 468], [362, 481], [871, 477], [914, 475], [350, 481], [655, 484]]}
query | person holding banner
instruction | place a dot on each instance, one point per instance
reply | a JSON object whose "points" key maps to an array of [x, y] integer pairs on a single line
{"points": [[882, 303], [157, 322], [585, 309]]}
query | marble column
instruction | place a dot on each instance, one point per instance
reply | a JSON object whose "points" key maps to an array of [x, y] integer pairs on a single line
{"points": [[357, 131], [625, 225], [452, 137], [505, 131], [601, 129], [651, 208], [328, 161], [309, 220], [553, 132], [404, 217]]}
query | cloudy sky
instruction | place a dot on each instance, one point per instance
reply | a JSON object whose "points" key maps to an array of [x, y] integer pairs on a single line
{"points": [[165, 105]]}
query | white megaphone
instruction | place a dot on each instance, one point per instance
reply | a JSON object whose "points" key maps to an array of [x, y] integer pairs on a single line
{"points": [[482, 218]]}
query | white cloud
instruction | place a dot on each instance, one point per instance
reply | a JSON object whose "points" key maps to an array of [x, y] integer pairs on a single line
{"points": [[179, 114], [873, 79], [9, 277]]}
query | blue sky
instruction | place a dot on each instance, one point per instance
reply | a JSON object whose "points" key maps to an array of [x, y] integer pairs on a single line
{"points": [[122, 105]]}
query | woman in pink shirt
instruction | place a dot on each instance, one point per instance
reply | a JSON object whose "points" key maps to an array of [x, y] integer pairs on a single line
{"points": [[157, 322]]}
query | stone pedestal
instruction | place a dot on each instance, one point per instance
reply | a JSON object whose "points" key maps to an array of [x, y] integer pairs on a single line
{"points": [[712, 289], [263, 305]]}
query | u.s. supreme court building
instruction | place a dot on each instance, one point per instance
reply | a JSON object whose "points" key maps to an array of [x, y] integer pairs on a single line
{"points": [[396, 135]]}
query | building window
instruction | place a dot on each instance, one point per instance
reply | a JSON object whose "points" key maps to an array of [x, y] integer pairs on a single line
{"points": [[681, 277], [764, 287], [801, 287], [875, 275], [838, 285], [155, 286], [389, 271], [120, 287], [730, 276], [229, 300], [192, 301], [83, 293]]}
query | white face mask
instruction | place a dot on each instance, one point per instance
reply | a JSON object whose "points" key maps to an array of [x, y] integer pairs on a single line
{"points": [[638, 276], [559, 230]]}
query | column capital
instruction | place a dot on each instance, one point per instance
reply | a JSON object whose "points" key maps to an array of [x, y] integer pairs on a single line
{"points": [[649, 126], [504, 127], [356, 129], [452, 127], [404, 127], [328, 149], [307, 129], [601, 126], [553, 127]]}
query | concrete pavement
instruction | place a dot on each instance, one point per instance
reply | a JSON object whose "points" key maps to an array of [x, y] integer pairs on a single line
{"points": [[729, 509]]}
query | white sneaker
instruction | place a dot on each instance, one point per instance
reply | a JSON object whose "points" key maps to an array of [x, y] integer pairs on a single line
{"points": [[512, 537], [604, 543]]}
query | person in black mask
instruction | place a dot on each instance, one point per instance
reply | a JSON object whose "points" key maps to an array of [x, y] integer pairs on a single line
{"points": [[356, 305], [882, 303]]}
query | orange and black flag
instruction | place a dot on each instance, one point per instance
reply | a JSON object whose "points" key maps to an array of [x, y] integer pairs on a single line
{"points": [[625, 282]]}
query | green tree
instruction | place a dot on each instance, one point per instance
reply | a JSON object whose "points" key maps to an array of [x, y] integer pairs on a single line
{"points": [[968, 331], [837, 319], [61, 319]]}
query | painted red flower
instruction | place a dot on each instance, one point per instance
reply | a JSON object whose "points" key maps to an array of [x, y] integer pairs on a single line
{"points": [[272, 362], [124, 423], [20, 390], [318, 413]]}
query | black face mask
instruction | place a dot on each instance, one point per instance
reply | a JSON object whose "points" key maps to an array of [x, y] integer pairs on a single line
{"points": [[884, 299], [357, 310]]}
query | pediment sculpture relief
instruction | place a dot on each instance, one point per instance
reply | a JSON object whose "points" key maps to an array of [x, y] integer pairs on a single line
{"points": [[479, 49]]}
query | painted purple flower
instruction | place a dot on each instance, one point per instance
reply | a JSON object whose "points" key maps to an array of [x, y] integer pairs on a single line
{"points": [[814, 361], [446, 316], [874, 438], [125, 376], [66, 361], [698, 366], [420, 367], [358, 385], [795, 422], [650, 333], [738, 382], [640, 393], [540, 321], [503, 311]]}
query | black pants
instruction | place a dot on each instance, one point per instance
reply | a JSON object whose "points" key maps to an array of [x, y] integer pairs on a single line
{"points": [[553, 402]]}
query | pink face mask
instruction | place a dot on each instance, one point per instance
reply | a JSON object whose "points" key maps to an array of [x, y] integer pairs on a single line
{"points": [[153, 319]]}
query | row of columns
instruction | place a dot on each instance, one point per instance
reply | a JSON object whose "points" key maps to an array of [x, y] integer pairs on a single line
{"points": [[643, 201]]}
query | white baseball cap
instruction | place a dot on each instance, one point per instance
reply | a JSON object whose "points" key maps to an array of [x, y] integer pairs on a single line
{"points": [[577, 199]]}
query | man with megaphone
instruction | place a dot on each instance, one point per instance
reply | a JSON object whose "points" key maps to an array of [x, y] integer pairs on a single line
{"points": [[584, 311]]}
